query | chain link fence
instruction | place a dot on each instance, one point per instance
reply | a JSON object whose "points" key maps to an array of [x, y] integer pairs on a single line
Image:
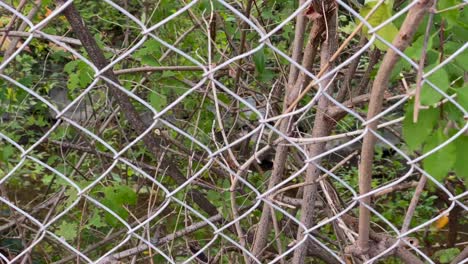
{"points": [[159, 151]]}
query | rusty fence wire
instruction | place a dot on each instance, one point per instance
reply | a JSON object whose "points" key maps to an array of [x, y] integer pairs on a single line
{"points": [[232, 230]]}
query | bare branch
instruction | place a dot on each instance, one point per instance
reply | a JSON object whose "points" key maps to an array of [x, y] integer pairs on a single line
{"points": [[322, 127], [413, 19], [128, 109]]}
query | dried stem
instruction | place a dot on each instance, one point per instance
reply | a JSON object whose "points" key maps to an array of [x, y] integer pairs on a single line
{"points": [[413, 204], [417, 97], [97, 56], [263, 229]]}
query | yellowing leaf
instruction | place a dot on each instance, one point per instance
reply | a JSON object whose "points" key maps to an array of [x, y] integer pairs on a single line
{"points": [[48, 12], [4, 20], [6, 45], [441, 222]]}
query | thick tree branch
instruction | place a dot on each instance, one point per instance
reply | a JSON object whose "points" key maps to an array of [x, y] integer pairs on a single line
{"points": [[322, 127], [263, 229], [409, 27]]}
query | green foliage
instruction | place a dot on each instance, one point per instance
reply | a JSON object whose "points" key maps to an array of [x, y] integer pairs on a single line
{"points": [[437, 121], [446, 255], [440, 79], [259, 59], [461, 166], [383, 12], [46, 66], [415, 134], [158, 101], [116, 198], [67, 230], [147, 53], [441, 162], [80, 74]]}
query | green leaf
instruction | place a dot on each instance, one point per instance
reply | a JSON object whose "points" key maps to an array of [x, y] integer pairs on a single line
{"points": [[149, 60], [414, 51], [461, 59], [461, 164], [453, 113], [383, 12], [440, 79], [451, 15], [80, 74], [67, 230], [71, 66], [388, 33], [349, 28], [267, 76], [158, 101], [415, 134], [441, 162], [167, 74], [213, 195], [115, 197], [149, 53], [446, 255], [259, 60], [96, 220], [462, 97], [6, 153]]}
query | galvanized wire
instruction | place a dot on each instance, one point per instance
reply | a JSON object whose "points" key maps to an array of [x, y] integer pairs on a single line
{"points": [[263, 118]]}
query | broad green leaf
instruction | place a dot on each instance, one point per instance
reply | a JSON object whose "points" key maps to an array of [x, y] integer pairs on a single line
{"points": [[451, 15], [167, 74], [414, 51], [440, 79], [439, 164], [462, 97], [71, 66], [267, 76], [349, 28], [6, 153], [415, 134], [461, 164], [71, 195], [86, 74], [259, 60], [206, 5], [461, 59], [383, 12], [453, 113], [215, 197], [148, 53], [388, 33], [446, 255], [67, 230], [149, 60], [158, 101], [115, 197]]}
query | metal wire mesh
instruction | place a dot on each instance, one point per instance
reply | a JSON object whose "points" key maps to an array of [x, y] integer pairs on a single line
{"points": [[231, 232]]}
